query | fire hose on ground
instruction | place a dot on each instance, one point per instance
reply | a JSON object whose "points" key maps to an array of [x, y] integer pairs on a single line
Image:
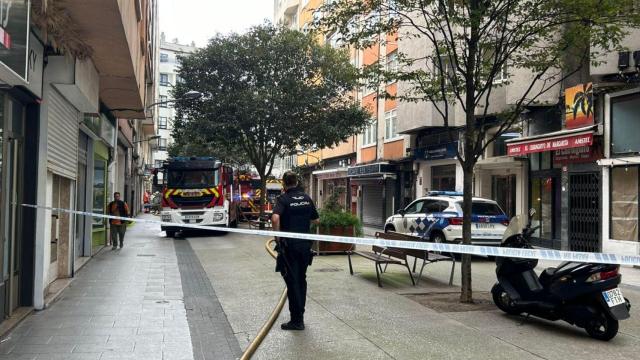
{"points": [[253, 346]]}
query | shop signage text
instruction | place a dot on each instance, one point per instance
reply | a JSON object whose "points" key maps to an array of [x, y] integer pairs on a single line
{"points": [[371, 169], [579, 154], [568, 142], [437, 152]]}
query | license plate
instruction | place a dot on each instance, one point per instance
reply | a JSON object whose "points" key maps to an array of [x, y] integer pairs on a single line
{"points": [[485, 226], [192, 217], [613, 297], [191, 193]]}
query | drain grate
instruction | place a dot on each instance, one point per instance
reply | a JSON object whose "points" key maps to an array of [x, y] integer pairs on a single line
{"points": [[326, 270]]}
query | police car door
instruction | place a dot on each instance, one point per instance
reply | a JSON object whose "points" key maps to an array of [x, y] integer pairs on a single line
{"points": [[412, 217]]}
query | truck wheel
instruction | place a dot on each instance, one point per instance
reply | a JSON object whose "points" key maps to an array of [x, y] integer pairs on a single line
{"points": [[602, 327], [170, 233]]}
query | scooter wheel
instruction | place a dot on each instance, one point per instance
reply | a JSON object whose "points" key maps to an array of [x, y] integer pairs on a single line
{"points": [[602, 327], [503, 301]]}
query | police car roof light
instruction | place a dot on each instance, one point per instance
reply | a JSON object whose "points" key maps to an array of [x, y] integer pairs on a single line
{"points": [[190, 158], [445, 193]]}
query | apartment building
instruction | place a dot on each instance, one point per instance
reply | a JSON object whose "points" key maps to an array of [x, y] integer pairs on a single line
{"points": [[60, 130], [167, 75]]}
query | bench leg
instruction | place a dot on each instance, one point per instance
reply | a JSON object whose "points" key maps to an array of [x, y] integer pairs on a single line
{"points": [[350, 266], [406, 263], [453, 268], [424, 263], [378, 274], [415, 260]]}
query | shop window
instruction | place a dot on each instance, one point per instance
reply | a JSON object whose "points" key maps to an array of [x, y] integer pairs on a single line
{"points": [[624, 124], [624, 203], [443, 178], [542, 190], [99, 190], [541, 161]]}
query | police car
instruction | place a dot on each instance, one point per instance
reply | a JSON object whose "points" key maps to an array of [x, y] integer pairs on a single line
{"points": [[438, 217]]}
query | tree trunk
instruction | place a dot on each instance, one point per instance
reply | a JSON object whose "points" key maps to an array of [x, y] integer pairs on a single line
{"points": [[466, 294]]}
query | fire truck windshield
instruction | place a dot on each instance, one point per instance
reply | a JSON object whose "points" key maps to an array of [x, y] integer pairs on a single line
{"points": [[192, 179]]}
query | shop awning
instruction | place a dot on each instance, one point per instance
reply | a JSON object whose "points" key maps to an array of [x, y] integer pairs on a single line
{"points": [[330, 173], [558, 140]]}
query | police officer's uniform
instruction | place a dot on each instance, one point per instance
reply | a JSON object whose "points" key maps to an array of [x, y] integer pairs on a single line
{"points": [[296, 210]]}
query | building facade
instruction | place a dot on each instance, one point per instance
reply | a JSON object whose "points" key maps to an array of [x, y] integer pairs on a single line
{"points": [[167, 75], [59, 133]]}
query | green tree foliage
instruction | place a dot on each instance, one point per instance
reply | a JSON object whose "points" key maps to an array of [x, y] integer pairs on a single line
{"points": [[269, 92], [466, 49]]}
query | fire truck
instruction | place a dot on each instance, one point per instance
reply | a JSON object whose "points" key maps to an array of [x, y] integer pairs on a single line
{"points": [[249, 194], [198, 190]]}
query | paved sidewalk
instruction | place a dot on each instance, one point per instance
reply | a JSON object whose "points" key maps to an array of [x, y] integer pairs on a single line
{"points": [[349, 317], [124, 304]]}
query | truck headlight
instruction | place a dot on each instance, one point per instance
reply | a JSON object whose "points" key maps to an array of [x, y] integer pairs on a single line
{"points": [[217, 216]]}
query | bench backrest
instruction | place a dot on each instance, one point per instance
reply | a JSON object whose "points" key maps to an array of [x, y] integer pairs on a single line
{"points": [[420, 254]]}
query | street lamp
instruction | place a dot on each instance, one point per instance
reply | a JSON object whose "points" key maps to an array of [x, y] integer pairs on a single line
{"points": [[154, 137]]}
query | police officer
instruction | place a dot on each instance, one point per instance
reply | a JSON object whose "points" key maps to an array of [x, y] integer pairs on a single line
{"points": [[294, 212]]}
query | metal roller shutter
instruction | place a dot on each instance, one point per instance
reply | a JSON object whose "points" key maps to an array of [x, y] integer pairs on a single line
{"points": [[373, 205], [62, 139]]}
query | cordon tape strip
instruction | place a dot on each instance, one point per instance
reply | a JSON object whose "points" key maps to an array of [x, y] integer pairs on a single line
{"points": [[541, 254]]}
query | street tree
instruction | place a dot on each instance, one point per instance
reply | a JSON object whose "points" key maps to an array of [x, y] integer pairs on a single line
{"points": [[269, 92], [469, 44]]}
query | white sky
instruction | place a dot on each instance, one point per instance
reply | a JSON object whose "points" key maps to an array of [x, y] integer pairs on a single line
{"points": [[199, 20]]}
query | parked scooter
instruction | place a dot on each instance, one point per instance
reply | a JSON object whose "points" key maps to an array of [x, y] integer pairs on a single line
{"points": [[582, 294]]}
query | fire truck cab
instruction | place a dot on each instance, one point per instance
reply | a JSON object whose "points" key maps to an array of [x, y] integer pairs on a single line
{"points": [[197, 190]]}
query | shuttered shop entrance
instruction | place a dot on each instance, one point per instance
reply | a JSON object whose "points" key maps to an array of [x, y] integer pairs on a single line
{"points": [[62, 139], [373, 205]]}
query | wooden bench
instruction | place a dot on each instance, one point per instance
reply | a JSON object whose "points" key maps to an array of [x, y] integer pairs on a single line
{"points": [[399, 256]]}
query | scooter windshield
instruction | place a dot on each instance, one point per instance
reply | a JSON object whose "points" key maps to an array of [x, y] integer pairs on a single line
{"points": [[517, 224]]}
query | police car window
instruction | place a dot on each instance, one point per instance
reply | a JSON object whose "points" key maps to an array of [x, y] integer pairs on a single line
{"points": [[434, 206], [486, 209], [415, 207]]}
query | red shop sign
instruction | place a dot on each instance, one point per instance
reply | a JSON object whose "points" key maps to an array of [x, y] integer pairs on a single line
{"points": [[558, 143]]}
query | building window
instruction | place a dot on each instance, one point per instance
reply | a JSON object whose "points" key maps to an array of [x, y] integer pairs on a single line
{"points": [[500, 145], [392, 65], [624, 124], [162, 122], [164, 57], [625, 188], [370, 134], [443, 178], [163, 101], [390, 125], [444, 68], [164, 79], [162, 144]]}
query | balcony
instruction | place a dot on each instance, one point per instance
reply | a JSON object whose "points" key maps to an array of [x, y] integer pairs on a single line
{"points": [[111, 28]]}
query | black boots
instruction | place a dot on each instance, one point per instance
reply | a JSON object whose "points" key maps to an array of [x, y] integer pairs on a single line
{"points": [[291, 325]]}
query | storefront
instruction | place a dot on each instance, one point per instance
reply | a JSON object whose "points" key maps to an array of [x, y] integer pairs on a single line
{"points": [[21, 64], [375, 186], [564, 186], [620, 171], [437, 166]]}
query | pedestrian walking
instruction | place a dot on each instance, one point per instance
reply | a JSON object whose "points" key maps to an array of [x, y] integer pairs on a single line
{"points": [[118, 227], [294, 212]]}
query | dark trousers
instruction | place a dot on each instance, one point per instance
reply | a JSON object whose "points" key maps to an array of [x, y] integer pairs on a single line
{"points": [[297, 257], [117, 231]]}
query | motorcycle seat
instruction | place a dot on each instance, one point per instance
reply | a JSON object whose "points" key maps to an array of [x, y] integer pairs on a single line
{"points": [[547, 276]]}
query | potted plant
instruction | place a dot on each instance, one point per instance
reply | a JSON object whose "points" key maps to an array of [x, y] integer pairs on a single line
{"points": [[334, 220]]}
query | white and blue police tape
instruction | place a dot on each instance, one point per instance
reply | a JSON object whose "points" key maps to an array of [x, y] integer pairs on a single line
{"points": [[541, 254]]}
